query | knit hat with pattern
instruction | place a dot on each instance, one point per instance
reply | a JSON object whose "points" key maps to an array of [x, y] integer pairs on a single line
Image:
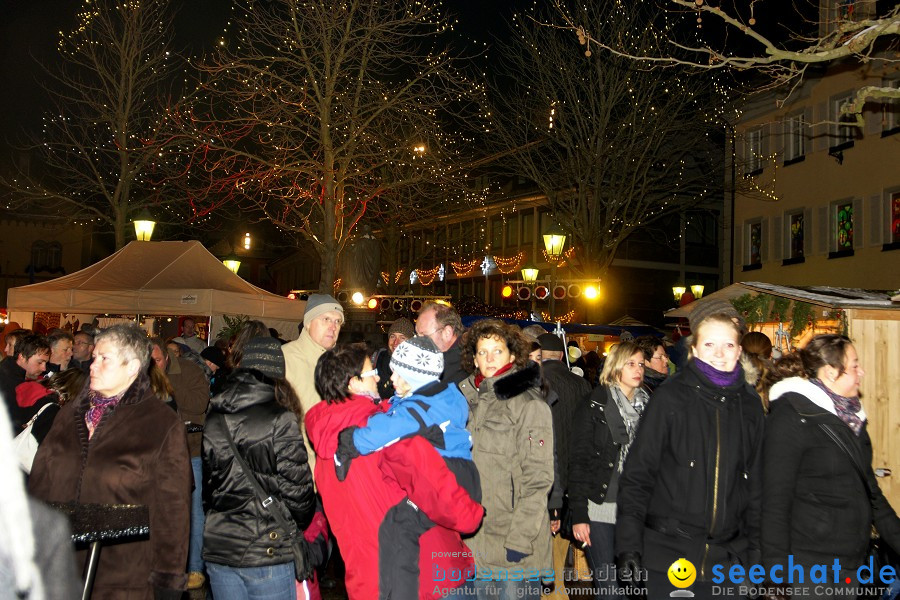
{"points": [[264, 354], [418, 361]]}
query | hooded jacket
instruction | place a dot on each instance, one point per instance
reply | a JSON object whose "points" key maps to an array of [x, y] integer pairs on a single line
{"points": [[692, 481], [239, 531], [356, 507], [512, 435], [817, 507], [137, 455]]}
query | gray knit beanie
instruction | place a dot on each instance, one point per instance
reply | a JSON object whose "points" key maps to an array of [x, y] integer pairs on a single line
{"points": [[404, 327], [703, 309], [418, 361], [318, 304], [264, 354]]}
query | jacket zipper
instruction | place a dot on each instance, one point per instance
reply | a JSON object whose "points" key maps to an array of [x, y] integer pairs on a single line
{"points": [[715, 507]]}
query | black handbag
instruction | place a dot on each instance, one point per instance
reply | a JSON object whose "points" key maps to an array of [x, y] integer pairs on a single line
{"points": [[303, 569]]}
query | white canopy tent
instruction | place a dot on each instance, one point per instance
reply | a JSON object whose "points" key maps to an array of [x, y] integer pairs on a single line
{"points": [[158, 278]]}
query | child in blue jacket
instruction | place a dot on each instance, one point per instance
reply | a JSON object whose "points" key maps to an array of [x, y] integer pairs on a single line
{"points": [[422, 405]]}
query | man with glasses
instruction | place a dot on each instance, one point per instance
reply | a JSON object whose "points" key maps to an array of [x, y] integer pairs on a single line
{"points": [[441, 324], [656, 361], [83, 350]]}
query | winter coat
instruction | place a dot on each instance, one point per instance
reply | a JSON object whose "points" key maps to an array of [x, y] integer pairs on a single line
{"points": [[512, 433], [816, 506], [692, 481], [239, 531], [356, 507], [11, 375], [593, 452], [573, 392], [436, 406], [191, 395], [453, 371], [138, 454], [300, 358]]}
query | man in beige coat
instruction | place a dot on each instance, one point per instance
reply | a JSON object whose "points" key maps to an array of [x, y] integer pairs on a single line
{"points": [[322, 323]]}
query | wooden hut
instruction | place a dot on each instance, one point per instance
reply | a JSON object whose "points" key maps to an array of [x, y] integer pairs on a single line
{"points": [[870, 318]]}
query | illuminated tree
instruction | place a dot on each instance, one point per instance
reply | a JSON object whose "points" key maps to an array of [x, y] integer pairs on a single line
{"points": [[326, 115], [844, 30], [92, 158], [612, 146]]}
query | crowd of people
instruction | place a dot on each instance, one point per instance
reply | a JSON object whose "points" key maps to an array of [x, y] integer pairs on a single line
{"points": [[454, 462]]}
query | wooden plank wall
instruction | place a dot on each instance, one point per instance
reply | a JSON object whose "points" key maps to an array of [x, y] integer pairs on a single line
{"points": [[876, 336]]}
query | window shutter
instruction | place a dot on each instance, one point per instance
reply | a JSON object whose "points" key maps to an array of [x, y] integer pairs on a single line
{"points": [[777, 237], [778, 145], [764, 241], [741, 254], [858, 229], [873, 118], [823, 231], [764, 145], [807, 231], [820, 131], [875, 212], [808, 131]]}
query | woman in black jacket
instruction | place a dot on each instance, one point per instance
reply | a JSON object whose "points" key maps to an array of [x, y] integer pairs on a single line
{"points": [[821, 495], [248, 555], [691, 486], [602, 432]]}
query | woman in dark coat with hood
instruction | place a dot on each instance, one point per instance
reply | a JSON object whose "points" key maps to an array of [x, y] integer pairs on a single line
{"points": [[247, 553], [821, 495]]}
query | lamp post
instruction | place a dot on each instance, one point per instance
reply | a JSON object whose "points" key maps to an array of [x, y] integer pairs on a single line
{"points": [[554, 242], [143, 225]]}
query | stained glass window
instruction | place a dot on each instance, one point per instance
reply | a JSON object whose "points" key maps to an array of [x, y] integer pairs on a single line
{"points": [[796, 235], [755, 248], [845, 226], [845, 9], [895, 217]]}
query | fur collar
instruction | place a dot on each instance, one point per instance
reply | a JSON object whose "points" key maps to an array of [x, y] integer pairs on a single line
{"points": [[517, 382]]}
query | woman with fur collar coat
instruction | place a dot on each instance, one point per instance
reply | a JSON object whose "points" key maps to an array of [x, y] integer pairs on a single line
{"points": [[512, 435]]}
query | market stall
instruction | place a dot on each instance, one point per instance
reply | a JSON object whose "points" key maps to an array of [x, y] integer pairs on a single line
{"points": [[150, 279]]}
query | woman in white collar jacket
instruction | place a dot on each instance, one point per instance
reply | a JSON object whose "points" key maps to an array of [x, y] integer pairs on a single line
{"points": [[820, 492]]}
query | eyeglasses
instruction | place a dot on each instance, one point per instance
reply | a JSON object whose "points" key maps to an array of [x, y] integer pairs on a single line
{"points": [[369, 373], [438, 328], [659, 357]]}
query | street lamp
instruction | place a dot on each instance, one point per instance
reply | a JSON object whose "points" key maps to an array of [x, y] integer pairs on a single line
{"points": [[529, 274], [697, 291], [143, 225], [678, 291], [554, 242], [232, 262]]}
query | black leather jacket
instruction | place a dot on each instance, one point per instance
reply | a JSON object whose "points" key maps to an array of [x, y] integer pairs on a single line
{"points": [[239, 531]]}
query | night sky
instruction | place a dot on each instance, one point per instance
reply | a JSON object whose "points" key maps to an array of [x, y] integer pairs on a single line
{"points": [[29, 31]]}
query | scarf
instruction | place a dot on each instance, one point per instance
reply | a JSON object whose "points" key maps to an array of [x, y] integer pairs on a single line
{"points": [[846, 408], [717, 377], [630, 411], [479, 377], [99, 406]]}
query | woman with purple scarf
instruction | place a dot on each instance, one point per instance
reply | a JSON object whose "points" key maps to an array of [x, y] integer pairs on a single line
{"points": [[692, 481], [821, 495]]}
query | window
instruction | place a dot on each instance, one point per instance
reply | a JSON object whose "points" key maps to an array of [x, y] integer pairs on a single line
{"points": [[844, 9], [795, 235], [754, 243], [497, 233], [842, 135], [890, 118], [528, 226], [844, 226], [512, 231], [753, 152], [895, 218], [794, 138], [46, 256]]}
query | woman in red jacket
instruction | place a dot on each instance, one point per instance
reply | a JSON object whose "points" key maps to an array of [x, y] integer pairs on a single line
{"points": [[409, 468]]}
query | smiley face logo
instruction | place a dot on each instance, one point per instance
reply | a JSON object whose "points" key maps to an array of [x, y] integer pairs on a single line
{"points": [[682, 573]]}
